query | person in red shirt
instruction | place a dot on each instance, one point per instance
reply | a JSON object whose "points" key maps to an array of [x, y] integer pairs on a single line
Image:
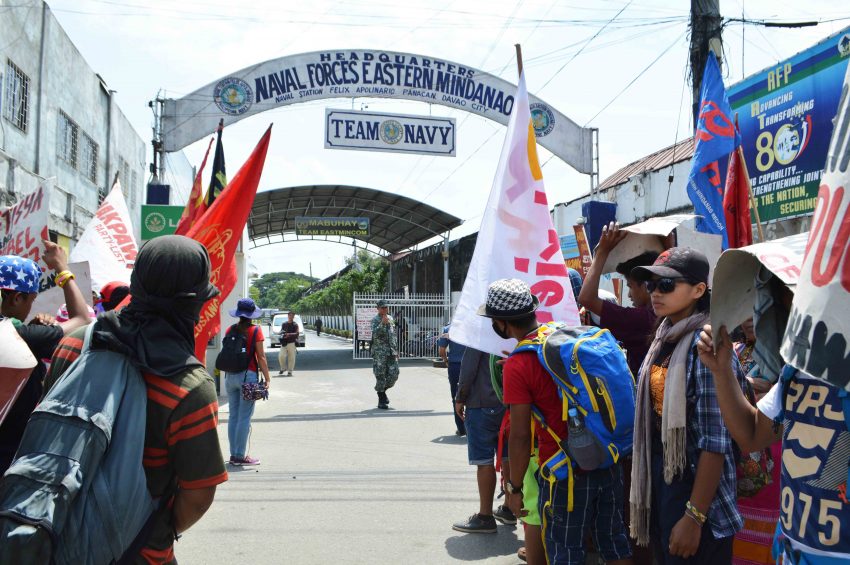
{"points": [[597, 495]]}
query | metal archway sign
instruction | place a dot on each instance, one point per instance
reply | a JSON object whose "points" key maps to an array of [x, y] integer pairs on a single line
{"points": [[357, 73]]}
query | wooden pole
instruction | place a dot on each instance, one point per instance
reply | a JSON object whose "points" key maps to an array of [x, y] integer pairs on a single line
{"points": [[518, 58]]}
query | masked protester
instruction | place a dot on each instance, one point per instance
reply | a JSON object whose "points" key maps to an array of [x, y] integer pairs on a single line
{"points": [[156, 331]]}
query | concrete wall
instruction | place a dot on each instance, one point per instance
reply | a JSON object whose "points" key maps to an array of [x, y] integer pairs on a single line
{"points": [[60, 80]]}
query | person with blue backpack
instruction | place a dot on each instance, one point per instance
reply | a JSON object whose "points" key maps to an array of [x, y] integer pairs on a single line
{"points": [[683, 491], [573, 502]]}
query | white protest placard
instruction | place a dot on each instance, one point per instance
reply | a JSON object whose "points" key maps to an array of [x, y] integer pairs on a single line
{"points": [[23, 227], [733, 293], [516, 240], [394, 133], [108, 244], [818, 328], [363, 321], [49, 301]]}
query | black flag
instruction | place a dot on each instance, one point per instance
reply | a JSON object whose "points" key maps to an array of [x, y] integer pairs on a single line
{"points": [[219, 176]]}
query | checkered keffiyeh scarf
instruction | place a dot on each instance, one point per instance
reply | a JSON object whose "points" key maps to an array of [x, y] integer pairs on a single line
{"points": [[673, 419]]}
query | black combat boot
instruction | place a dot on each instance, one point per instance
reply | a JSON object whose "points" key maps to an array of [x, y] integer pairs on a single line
{"points": [[383, 402]]}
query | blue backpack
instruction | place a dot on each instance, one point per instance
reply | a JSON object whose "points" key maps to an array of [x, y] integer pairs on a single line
{"points": [[592, 375], [77, 492]]}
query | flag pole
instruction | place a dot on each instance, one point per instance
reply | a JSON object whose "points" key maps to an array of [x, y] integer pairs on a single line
{"points": [[518, 58], [753, 202]]}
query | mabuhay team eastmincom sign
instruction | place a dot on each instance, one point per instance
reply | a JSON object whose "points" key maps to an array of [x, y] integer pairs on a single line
{"points": [[397, 133], [341, 226]]}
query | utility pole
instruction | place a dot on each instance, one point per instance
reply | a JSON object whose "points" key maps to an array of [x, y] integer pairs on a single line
{"points": [[706, 30]]}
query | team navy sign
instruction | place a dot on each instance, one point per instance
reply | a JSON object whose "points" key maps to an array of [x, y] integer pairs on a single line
{"points": [[716, 138], [398, 133], [356, 73]]}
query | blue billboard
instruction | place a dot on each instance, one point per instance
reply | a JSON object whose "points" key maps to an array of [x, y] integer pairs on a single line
{"points": [[785, 114]]}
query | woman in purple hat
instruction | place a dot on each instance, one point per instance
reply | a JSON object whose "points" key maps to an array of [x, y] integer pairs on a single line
{"points": [[241, 410]]}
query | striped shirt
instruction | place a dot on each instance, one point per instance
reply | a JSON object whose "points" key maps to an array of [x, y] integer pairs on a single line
{"points": [[181, 443]]}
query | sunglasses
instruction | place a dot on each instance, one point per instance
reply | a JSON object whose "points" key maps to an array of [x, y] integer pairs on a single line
{"points": [[665, 285]]}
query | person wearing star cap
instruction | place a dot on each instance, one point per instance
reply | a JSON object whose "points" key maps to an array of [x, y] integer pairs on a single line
{"points": [[19, 284]]}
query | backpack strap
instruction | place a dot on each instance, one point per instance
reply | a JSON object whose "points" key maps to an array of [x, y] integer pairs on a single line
{"points": [[556, 468]]}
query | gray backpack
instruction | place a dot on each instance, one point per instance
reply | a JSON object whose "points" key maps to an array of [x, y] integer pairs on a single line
{"points": [[77, 492]]}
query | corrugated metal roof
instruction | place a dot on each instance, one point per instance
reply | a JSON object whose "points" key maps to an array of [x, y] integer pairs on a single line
{"points": [[655, 162]]}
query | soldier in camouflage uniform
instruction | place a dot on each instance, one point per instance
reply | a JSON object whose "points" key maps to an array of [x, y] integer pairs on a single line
{"points": [[384, 353]]}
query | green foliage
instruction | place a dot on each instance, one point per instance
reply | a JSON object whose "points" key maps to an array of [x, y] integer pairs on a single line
{"points": [[369, 276], [279, 290]]}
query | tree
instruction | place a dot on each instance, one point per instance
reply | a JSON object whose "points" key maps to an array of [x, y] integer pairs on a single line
{"points": [[280, 290], [369, 277]]}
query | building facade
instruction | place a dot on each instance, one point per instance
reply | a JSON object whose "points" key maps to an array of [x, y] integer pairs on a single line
{"points": [[59, 120]]}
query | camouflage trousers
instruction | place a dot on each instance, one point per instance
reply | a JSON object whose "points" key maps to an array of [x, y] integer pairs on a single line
{"points": [[385, 368]]}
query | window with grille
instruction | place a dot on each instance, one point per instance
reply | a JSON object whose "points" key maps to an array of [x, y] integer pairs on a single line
{"points": [[16, 103], [88, 158], [67, 134]]}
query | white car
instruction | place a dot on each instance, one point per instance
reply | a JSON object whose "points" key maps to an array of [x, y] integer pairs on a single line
{"points": [[277, 323]]}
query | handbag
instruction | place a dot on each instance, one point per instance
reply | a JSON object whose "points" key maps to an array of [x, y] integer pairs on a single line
{"points": [[255, 391]]}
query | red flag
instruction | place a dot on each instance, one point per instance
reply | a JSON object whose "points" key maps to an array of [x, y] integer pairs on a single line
{"points": [[736, 202], [196, 206], [220, 231]]}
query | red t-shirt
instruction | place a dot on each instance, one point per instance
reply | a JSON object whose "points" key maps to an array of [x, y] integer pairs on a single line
{"points": [[527, 382]]}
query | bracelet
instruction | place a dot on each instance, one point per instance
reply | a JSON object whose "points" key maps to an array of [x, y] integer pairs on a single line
{"points": [[699, 516], [691, 515], [62, 278]]}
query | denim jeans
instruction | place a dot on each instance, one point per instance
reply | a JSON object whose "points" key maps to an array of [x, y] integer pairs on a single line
{"points": [[241, 410]]}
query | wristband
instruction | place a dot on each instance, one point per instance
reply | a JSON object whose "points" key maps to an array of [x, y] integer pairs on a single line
{"points": [[699, 516], [62, 278]]}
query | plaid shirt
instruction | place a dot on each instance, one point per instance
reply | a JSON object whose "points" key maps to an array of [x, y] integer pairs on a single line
{"points": [[706, 432]]}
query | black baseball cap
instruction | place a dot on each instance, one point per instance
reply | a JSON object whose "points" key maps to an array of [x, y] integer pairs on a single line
{"points": [[676, 262]]}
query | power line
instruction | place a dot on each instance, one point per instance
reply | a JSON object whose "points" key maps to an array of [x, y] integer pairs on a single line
{"points": [[634, 80], [594, 36]]}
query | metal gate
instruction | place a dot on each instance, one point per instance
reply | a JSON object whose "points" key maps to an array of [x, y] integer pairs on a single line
{"points": [[419, 320]]}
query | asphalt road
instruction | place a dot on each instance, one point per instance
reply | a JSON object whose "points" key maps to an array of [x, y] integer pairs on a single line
{"points": [[344, 482]]}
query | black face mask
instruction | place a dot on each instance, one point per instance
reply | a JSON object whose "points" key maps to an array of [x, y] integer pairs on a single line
{"points": [[499, 332]]}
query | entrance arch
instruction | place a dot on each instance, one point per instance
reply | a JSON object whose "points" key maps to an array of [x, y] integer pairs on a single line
{"points": [[353, 73]]}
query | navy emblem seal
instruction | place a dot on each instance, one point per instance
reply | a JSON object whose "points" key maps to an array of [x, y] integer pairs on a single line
{"points": [[233, 96], [391, 131], [542, 118]]}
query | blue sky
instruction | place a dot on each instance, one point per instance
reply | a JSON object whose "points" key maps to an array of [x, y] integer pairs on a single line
{"points": [[145, 47]]}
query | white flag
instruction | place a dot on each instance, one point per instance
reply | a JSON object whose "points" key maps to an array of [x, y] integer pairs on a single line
{"points": [[108, 243], [516, 240]]}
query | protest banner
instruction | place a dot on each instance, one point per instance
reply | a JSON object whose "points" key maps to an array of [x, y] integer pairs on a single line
{"points": [[819, 325], [52, 298], [23, 227], [107, 243], [733, 292], [16, 364], [517, 240]]}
